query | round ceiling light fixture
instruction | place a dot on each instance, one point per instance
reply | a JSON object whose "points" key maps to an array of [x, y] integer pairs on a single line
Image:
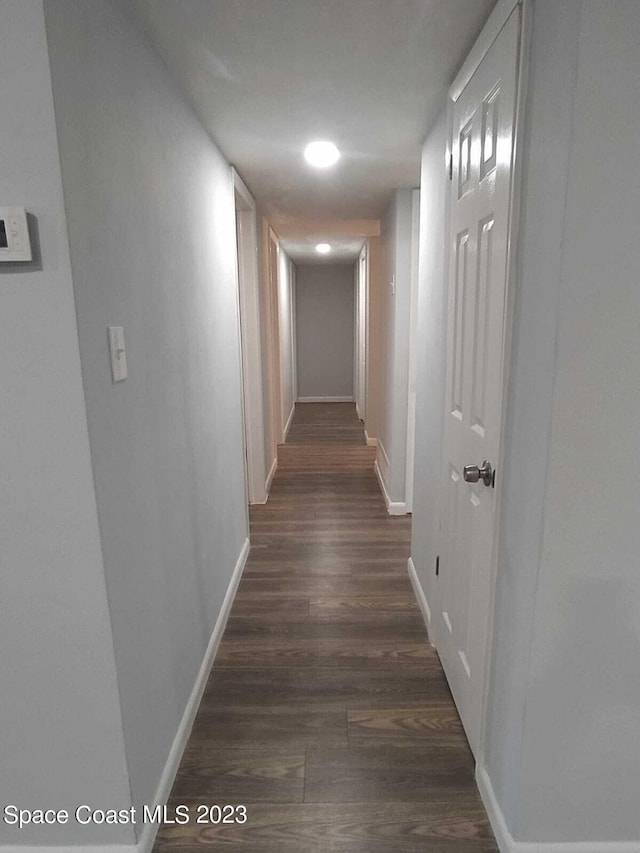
{"points": [[321, 154], [323, 248]]}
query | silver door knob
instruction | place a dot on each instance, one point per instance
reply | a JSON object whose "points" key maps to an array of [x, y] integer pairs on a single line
{"points": [[472, 474]]}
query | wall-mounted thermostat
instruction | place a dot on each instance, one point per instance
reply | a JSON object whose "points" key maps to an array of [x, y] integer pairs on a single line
{"points": [[14, 234]]}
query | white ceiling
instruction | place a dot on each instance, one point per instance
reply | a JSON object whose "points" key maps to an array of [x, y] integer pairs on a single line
{"points": [[268, 76], [303, 249]]}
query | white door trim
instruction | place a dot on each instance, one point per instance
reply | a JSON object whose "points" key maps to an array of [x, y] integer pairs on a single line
{"points": [[356, 333], [293, 278], [515, 205], [249, 315], [361, 331], [273, 261], [413, 342], [285, 330], [489, 33]]}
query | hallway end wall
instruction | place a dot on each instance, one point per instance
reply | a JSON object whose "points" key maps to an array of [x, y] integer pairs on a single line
{"points": [[325, 330], [151, 215]]}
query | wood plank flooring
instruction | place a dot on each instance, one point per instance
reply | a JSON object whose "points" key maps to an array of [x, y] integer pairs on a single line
{"points": [[327, 712]]}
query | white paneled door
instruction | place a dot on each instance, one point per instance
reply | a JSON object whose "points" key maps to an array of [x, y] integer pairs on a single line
{"points": [[482, 146]]}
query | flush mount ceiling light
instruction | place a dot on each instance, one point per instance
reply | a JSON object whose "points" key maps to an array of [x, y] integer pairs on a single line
{"points": [[321, 154], [323, 248]]}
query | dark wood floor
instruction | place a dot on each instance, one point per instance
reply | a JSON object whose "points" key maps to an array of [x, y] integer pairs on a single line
{"points": [[327, 712]]}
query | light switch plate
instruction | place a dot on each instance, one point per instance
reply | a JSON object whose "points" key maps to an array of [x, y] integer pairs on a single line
{"points": [[118, 353], [15, 244]]}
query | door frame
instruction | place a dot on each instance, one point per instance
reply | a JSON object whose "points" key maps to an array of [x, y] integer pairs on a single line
{"points": [[248, 289], [285, 328], [413, 355], [293, 284], [361, 331], [275, 373], [494, 25]]}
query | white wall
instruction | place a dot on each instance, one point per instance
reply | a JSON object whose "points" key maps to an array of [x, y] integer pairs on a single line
{"points": [[150, 205], [395, 238], [59, 713], [564, 693], [529, 403], [286, 328], [579, 773], [430, 345], [325, 335]]}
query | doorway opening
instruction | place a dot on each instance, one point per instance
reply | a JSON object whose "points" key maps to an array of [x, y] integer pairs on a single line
{"points": [[250, 351]]}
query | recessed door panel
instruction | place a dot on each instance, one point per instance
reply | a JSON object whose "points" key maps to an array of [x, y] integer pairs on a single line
{"points": [[459, 308], [482, 308]]}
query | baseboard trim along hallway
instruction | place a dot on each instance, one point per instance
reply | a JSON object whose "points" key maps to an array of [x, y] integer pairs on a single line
{"points": [[325, 399], [147, 838], [420, 596], [393, 507], [270, 477], [287, 426], [507, 843], [68, 848]]}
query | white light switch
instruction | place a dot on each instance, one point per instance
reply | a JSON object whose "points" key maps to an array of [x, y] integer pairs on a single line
{"points": [[118, 353], [14, 235]]}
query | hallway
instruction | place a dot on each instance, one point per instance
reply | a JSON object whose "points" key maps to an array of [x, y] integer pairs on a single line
{"points": [[327, 712]]}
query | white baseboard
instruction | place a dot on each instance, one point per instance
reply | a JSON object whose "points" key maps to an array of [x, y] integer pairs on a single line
{"points": [[71, 848], [508, 844], [270, 477], [383, 458], [324, 400], [420, 596], [371, 442], [288, 423], [393, 507], [147, 837], [504, 839]]}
